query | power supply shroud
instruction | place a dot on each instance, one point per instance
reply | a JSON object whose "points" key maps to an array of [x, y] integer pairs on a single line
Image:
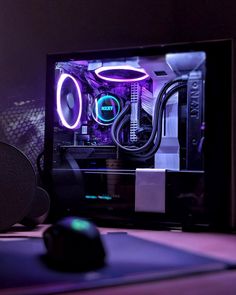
{"points": [[140, 136]]}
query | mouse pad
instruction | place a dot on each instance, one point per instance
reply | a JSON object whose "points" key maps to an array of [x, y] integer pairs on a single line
{"points": [[129, 260]]}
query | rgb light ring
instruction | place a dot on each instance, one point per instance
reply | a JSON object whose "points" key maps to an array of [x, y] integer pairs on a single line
{"points": [[60, 82], [100, 70], [97, 117]]}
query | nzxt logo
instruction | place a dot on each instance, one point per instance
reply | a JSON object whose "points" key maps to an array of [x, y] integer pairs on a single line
{"points": [[195, 89], [107, 108]]}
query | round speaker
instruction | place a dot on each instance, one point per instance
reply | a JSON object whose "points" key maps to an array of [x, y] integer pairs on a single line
{"points": [[39, 208], [17, 185]]}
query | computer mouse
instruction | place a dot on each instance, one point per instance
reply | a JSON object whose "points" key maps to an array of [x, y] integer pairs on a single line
{"points": [[74, 243]]}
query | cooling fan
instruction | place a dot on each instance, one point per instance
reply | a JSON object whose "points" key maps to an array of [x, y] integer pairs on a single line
{"points": [[122, 73], [69, 101]]}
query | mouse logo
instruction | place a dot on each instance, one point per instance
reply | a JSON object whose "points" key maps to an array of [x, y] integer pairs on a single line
{"points": [[78, 224]]}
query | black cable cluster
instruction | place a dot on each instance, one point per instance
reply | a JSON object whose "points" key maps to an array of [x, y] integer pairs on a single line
{"points": [[147, 150]]}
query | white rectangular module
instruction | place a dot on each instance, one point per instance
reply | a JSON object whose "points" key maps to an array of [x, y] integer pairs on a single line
{"points": [[150, 190]]}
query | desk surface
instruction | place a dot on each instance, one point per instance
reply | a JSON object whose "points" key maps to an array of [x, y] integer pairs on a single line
{"points": [[214, 245]]}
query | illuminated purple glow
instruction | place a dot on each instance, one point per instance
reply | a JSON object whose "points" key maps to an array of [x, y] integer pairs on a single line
{"points": [[61, 80], [107, 73]]}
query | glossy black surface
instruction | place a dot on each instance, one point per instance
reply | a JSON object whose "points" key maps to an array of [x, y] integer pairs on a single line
{"points": [[73, 244]]}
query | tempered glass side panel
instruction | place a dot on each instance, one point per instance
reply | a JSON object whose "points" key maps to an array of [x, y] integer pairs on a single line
{"points": [[163, 107], [130, 112]]}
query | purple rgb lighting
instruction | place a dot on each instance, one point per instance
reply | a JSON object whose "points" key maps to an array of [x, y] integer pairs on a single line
{"points": [[123, 73], [69, 103]]}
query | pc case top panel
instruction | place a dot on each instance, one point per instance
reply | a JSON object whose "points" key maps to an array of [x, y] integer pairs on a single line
{"points": [[141, 111]]}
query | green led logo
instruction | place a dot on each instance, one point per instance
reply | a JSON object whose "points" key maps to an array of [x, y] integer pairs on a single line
{"points": [[78, 224], [90, 197], [105, 197]]}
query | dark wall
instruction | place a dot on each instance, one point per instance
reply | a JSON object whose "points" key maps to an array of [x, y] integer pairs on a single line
{"points": [[29, 29]]}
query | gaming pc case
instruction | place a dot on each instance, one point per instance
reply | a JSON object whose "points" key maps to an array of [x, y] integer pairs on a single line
{"points": [[141, 136]]}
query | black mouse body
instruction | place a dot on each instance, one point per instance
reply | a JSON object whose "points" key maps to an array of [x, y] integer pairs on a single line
{"points": [[74, 244]]}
